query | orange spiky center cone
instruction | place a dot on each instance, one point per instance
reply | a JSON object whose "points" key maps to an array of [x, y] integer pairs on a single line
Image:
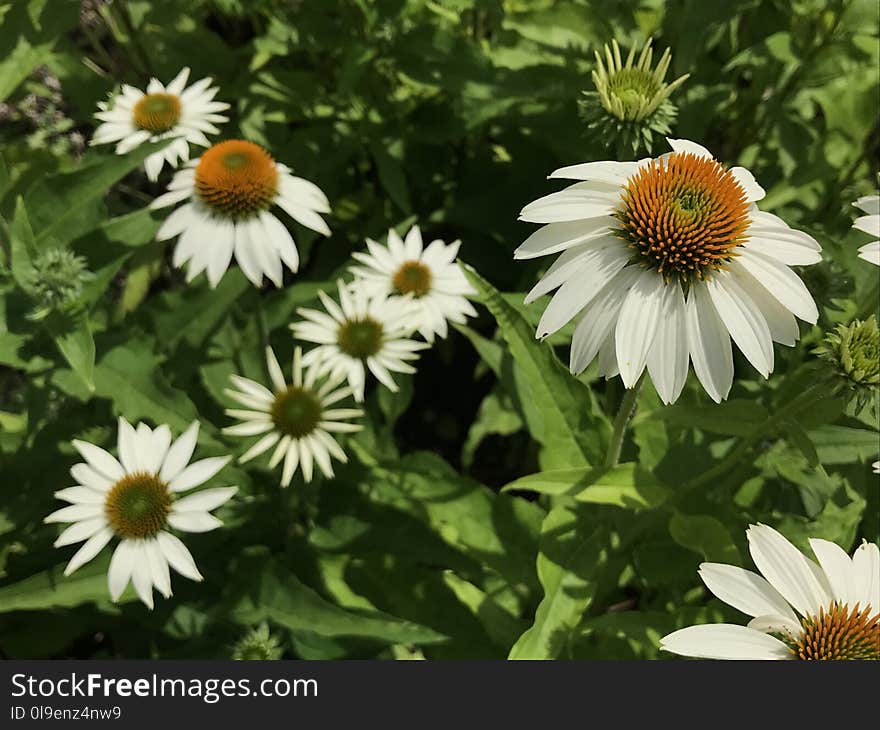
{"points": [[236, 179]]}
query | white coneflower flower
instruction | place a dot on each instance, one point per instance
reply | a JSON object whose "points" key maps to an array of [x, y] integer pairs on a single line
{"points": [[800, 610], [667, 259], [869, 224], [163, 112], [229, 191], [359, 333], [135, 498], [427, 281], [296, 418]]}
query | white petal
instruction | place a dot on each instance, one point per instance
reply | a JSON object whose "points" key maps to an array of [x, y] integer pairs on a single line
{"points": [[161, 441], [141, 576], [782, 323], [744, 590], [222, 242], [775, 624], [79, 531], [100, 460], [612, 173], [80, 495], [788, 570], [838, 568], [743, 320], [724, 641], [127, 446], [263, 445], [597, 268], [870, 252], [178, 556], [176, 85], [745, 178], [158, 567], [869, 224], [782, 283], [193, 521], [281, 239], [247, 256], [153, 165], [303, 215], [179, 454], [581, 200], [275, 372], [870, 204], [121, 566], [75, 513], [204, 501], [709, 344], [291, 460], [89, 549], [637, 325], [866, 568], [198, 473], [685, 146], [668, 356], [88, 477]]}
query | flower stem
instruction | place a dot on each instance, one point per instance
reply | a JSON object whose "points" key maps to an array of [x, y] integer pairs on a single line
{"points": [[621, 421], [796, 404]]}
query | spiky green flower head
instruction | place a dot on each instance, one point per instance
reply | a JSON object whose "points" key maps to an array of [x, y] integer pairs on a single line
{"points": [[57, 280], [631, 102], [258, 644], [853, 351]]}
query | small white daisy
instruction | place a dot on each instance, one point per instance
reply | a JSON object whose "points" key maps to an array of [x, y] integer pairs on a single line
{"points": [[135, 498], [666, 260], [229, 191], [297, 418], [869, 224], [359, 333], [428, 280], [163, 112], [801, 610]]}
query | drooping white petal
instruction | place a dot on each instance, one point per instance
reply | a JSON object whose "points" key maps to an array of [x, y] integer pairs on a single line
{"points": [[178, 556], [782, 283], [89, 549], [79, 531], [121, 566], [668, 356], [158, 567], [709, 343], [637, 325], [724, 641], [141, 576]]}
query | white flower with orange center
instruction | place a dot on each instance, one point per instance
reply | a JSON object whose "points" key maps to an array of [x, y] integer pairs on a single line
{"points": [[163, 112], [297, 419], [666, 260], [136, 499], [360, 333], [870, 224], [800, 610], [427, 281], [229, 192]]}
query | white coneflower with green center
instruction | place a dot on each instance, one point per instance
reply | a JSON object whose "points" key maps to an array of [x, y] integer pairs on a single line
{"points": [[296, 419], [426, 281], [359, 333], [666, 260], [229, 192], [800, 610], [631, 101], [135, 498], [163, 112], [870, 224]]}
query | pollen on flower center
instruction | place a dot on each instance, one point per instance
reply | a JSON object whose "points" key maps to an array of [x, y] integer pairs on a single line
{"points": [[360, 338], [236, 179], [839, 633], [157, 112], [137, 506], [684, 215], [413, 277], [296, 412]]}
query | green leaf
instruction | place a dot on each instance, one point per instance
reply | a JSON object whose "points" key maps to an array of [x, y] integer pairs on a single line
{"points": [[563, 419], [276, 594], [51, 589], [844, 445], [705, 535], [574, 549], [73, 336], [24, 247], [732, 418], [625, 485]]}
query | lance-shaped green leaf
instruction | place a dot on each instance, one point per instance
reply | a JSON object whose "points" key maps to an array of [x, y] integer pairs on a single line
{"points": [[562, 416], [625, 485]]}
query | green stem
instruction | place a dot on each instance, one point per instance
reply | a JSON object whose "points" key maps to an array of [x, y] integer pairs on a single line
{"points": [[797, 403], [621, 421]]}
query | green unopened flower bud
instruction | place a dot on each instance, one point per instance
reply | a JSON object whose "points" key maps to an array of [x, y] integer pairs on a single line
{"points": [[853, 351], [631, 102], [258, 644], [57, 280]]}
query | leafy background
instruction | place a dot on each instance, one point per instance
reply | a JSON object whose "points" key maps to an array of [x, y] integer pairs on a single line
{"points": [[475, 518]]}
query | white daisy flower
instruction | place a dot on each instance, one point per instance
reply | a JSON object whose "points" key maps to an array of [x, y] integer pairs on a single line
{"points": [[163, 112], [801, 610], [135, 498], [666, 260], [427, 281], [296, 418], [361, 332], [229, 191], [869, 224]]}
